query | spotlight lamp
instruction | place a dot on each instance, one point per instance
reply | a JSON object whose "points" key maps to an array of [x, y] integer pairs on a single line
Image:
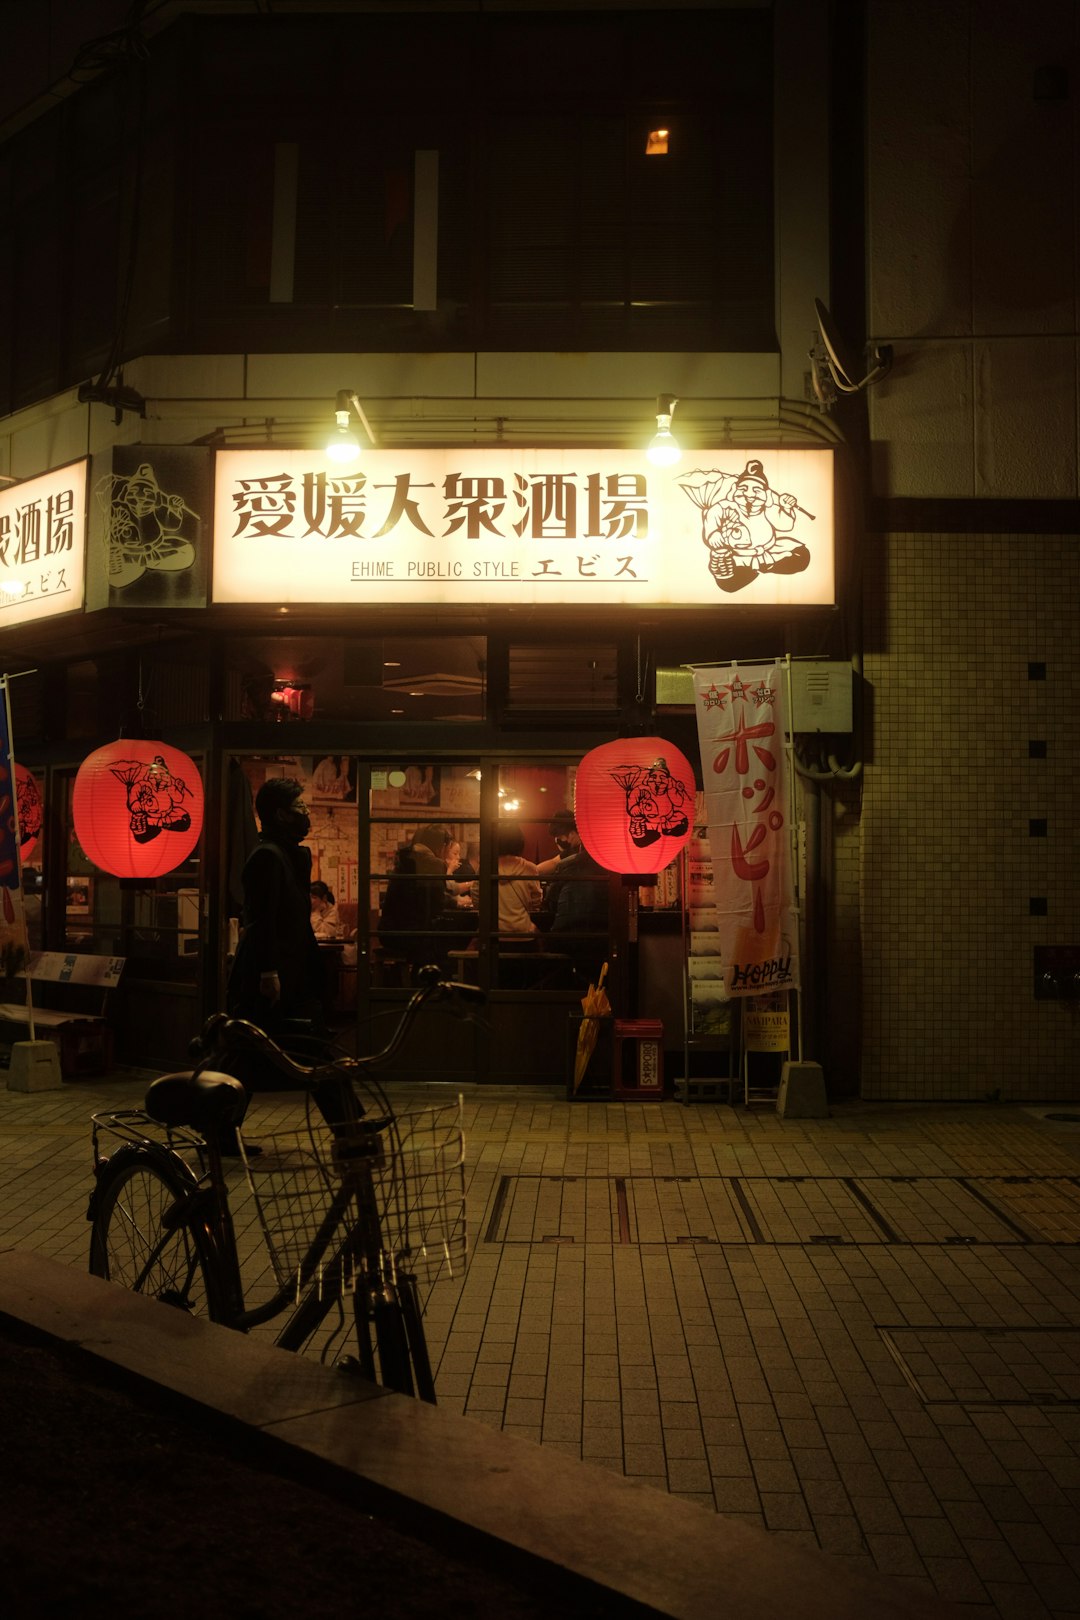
{"points": [[343, 446], [663, 448]]}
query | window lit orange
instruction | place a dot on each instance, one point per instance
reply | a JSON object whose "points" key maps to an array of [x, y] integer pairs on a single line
{"points": [[657, 143]]}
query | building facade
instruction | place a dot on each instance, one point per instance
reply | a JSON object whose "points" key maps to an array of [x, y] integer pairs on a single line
{"points": [[470, 223]]}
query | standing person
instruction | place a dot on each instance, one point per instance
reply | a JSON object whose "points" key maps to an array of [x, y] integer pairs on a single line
{"points": [[277, 975], [416, 896]]}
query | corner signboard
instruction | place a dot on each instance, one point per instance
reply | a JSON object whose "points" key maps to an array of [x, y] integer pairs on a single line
{"points": [[743, 527], [43, 545]]}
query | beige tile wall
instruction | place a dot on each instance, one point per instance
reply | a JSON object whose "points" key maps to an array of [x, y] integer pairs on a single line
{"points": [[946, 865]]}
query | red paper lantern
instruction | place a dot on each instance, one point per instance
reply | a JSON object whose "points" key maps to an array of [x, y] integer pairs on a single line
{"points": [[138, 807], [31, 811], [634, 804]]}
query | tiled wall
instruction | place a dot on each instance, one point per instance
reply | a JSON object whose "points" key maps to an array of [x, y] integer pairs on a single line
{"points": [[957, 628]]}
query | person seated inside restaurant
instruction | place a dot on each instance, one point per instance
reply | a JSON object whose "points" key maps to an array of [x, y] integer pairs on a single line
{"points": [[324, 912], [415, 898], [520, 893], [576, 899], [461, 874]]}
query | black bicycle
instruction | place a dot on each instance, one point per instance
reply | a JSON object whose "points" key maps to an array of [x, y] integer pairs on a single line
{"points": [[364, 1203]]}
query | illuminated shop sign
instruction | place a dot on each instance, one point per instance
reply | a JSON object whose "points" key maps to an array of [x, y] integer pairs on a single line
{"points": [[43, 545], [746, 527]]}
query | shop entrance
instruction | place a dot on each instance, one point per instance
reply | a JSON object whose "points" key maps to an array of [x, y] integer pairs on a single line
{"points": [[470, 863]]}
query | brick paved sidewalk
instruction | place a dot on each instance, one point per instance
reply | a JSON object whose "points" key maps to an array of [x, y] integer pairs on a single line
{"points": [[861, 1332]]}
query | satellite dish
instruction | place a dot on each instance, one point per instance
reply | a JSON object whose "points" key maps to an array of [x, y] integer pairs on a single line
{"points": [[841, 373]]}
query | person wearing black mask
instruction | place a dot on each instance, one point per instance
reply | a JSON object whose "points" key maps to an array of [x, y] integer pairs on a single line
{"points": [[277, 973]]}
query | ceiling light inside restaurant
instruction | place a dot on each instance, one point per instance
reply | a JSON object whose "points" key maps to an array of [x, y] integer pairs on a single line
{"points": [[657, 143], [663, 448]]}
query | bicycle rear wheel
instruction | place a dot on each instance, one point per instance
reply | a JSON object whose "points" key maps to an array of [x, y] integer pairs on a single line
{"points": [[133, 1244]]}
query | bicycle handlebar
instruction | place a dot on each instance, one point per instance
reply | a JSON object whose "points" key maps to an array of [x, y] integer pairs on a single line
{"points": [[220, 1032]]}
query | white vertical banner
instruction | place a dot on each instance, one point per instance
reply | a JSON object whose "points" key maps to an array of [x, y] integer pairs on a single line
{"points": [[741, 730]]}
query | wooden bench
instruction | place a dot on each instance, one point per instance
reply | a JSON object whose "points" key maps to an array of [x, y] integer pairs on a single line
{"points": [[69, 994]]}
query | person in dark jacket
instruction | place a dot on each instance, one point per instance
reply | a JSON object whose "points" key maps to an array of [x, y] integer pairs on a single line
{"points": [[277, 975], [415, 898], [576, 899]]}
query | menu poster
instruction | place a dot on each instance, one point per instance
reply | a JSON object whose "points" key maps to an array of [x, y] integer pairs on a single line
{"points": [[710, 1008]]}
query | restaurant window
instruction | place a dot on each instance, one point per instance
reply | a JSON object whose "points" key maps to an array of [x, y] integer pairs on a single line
{"points": [[424, 865], [154, 923], [579, 679], [329, 784], [394, 678]]}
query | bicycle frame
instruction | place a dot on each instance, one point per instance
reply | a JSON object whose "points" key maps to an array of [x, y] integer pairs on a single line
{"points": [[357, 1264]]}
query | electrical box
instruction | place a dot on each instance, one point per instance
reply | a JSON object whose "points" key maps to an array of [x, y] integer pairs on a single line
{"points": [[821, 695]]}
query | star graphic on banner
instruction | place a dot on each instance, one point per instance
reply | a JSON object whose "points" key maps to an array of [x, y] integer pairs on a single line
{"points": [[713, 698], [738, 691], [762, 694]]}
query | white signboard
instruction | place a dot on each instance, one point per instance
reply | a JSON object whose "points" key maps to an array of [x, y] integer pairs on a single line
{"points": [[43, 545], [745, 527]]}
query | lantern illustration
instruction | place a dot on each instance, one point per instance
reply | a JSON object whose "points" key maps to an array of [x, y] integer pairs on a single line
{"points": [[634, 804], [138, 807], [31, 811]]}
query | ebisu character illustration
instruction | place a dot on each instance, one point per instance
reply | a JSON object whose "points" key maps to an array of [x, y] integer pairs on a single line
{"points": [[154, 798], [31, 810], [746, 525], [654, 802], [146, 528]]}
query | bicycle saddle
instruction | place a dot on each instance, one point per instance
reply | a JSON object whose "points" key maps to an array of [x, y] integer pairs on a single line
{"points": [[203, 1102]]}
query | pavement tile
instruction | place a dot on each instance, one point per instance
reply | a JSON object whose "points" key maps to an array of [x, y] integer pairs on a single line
{"points": [[838, 1532], [785, 1510], [933, 1536], [725, 1370], [775, 1476], [736, 1495], [1031, 1544], [878, 1514], [1017, 1601], [895, 1554], [955, 1579], [1056, 1584]]}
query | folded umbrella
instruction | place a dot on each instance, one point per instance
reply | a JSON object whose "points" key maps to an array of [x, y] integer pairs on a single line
{"points": [[595, 1005]]}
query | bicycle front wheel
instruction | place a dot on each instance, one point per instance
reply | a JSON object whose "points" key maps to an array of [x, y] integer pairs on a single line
{"points": [[134, 1244]]}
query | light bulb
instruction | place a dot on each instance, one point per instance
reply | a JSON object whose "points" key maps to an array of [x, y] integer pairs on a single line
{"points": [[343, 446], [663, 449]]}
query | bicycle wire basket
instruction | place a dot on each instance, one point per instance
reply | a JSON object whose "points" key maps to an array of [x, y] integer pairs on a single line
{"points": [[418, 1178]]}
